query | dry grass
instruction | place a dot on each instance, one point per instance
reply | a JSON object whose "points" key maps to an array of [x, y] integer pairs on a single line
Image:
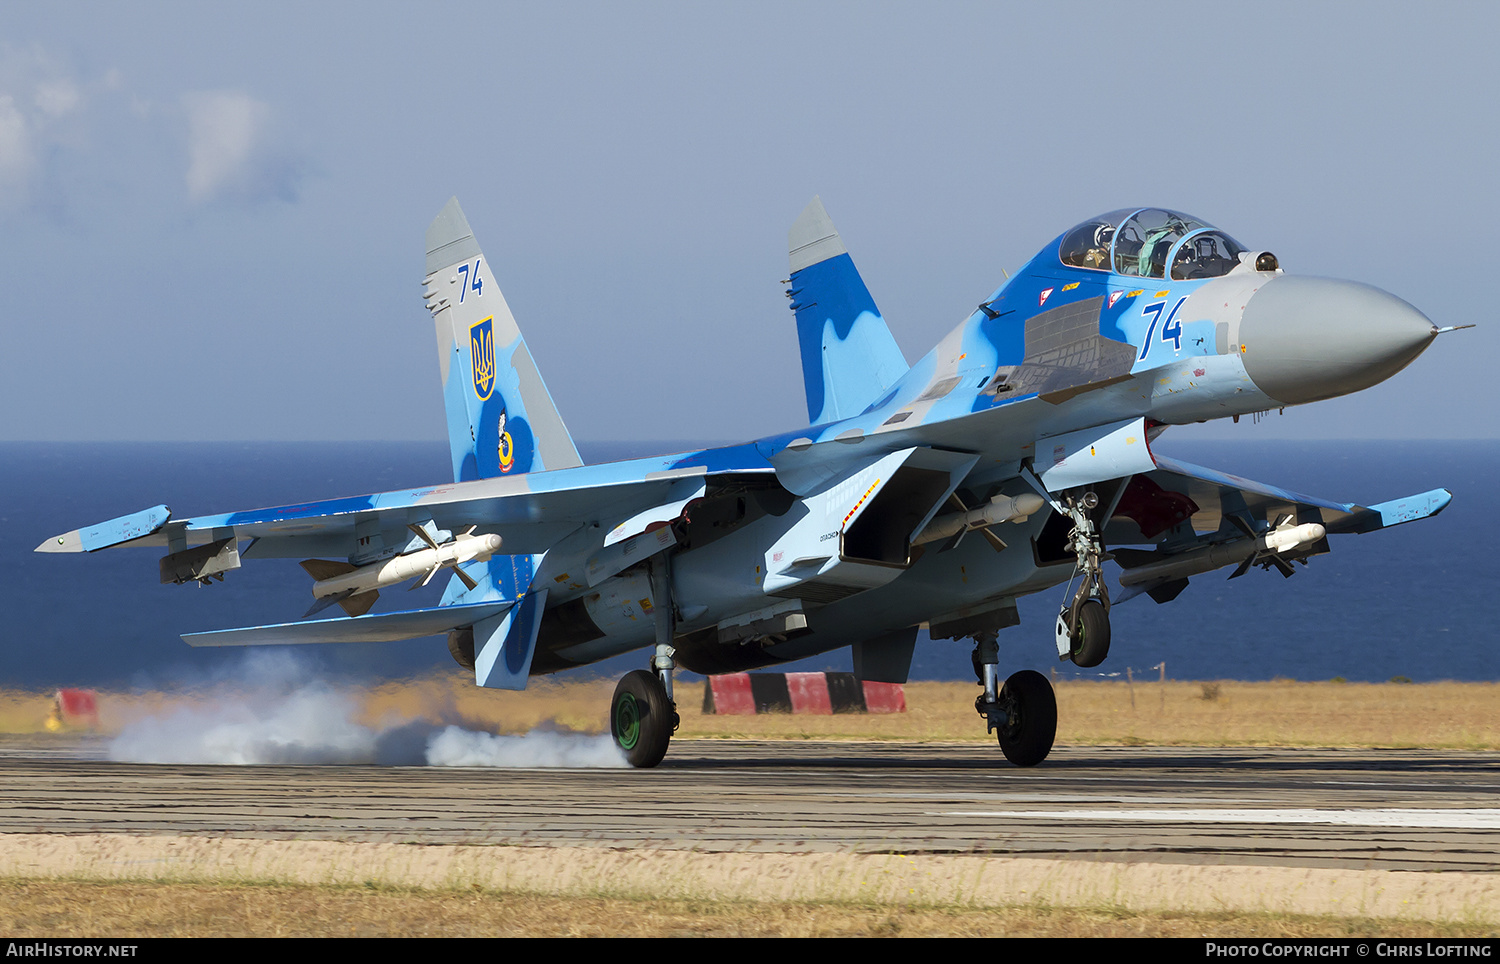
{"points": [[1217, 713], [1282, 713], [71, 909], [81, 902], [1278, 713]]}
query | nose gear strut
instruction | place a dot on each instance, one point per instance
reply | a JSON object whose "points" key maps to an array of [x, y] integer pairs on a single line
{"points": [[1083, 622]]}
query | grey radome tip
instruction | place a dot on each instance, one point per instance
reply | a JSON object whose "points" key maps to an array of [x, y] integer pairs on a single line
{"points": [[813, 237], [449, 238]]}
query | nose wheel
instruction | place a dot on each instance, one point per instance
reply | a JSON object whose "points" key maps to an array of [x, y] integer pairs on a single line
{"points": [[1086, 641]]}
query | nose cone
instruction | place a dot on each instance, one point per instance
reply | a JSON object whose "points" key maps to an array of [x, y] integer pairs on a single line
{"points": [[1306, 339]]}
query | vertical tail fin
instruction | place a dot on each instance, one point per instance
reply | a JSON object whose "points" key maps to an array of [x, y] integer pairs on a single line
{"points": [[501, 419], [849, 358]]}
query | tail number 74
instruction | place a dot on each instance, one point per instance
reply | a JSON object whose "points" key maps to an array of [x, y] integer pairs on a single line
{"points": [[1171, 329]]}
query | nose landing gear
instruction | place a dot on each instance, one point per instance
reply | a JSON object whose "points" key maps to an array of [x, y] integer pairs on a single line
{"points": [[1083, 623]]}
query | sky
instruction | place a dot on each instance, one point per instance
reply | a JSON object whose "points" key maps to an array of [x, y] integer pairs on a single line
{"points": [[212, 214]]}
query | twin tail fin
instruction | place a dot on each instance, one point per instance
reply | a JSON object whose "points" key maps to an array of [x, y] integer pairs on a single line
{"points": [[849, 359], [501, 418]]}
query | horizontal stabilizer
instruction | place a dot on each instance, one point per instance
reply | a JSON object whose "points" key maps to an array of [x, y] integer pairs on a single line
{"points": [[381, 628]]}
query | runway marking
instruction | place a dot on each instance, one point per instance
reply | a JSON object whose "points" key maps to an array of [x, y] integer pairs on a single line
{"points": [[1455, 819]]}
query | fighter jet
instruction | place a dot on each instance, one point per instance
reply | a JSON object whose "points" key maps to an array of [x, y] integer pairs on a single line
{"points": [[1014, 458]]}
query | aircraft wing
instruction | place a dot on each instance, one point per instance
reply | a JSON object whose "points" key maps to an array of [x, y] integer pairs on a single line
{"points": [[529, 512], [1201, 519], [1231, 494]]}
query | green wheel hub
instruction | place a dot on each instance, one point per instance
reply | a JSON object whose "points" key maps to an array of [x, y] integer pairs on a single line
{"points": [[628, 722]]}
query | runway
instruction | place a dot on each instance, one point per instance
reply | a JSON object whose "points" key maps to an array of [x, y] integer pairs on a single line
{"points": [[1364, 809]]}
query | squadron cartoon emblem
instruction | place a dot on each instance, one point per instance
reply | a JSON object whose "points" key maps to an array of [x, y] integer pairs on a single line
{"points": [[507, 447]]}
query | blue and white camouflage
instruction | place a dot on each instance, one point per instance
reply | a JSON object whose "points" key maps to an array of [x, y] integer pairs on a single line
{"points": [[1029, 425]]}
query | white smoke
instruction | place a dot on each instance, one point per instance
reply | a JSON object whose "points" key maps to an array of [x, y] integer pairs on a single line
{"points": [[457, 747], [272, 713]]}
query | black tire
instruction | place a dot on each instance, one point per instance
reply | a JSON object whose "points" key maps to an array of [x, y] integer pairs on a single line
{"points": [[641, 718], [1091, 642], [1027, 737]]}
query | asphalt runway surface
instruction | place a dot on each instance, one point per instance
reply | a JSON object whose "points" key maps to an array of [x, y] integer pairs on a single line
{"points": [[1365, 809]]}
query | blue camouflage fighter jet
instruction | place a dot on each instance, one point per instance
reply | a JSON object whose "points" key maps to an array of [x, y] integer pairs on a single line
{"points": [[1014, 458]]}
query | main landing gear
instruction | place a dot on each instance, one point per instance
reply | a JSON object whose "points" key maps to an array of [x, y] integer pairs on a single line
{"points": [[643, 715], [642, 718], [1022, 713]]}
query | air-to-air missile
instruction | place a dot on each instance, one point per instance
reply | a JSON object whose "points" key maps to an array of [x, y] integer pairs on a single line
{"points": [[356, 588]]}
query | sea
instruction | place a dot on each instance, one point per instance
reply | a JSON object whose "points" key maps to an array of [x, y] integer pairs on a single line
{"points": [[1409, 603]]}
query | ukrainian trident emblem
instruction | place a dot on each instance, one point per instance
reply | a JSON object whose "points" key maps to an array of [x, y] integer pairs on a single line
{"points": [[482, 351]]}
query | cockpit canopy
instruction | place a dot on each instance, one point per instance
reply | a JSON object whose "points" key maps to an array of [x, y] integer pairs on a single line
{"points": [[1141, 242]]}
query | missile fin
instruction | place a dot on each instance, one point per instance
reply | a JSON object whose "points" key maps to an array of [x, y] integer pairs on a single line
{"points": [[994, 540], [321, 604], [321, 569], [360, 604], [423, 534]]}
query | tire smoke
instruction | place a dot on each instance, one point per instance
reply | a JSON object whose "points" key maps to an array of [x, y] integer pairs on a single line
{"points": [[271, 711]]}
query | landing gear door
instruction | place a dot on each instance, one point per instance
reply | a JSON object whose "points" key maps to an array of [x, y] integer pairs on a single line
{"points": [[1091, 455]]}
